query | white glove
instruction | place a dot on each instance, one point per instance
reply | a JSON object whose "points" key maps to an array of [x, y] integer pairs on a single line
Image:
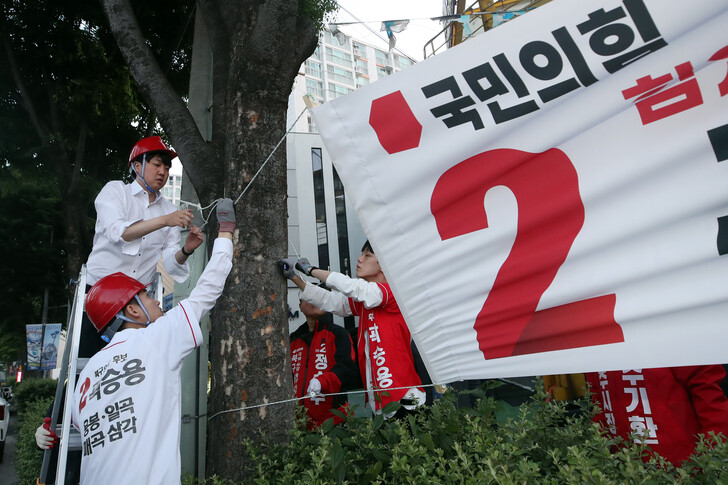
{"points": [[314, 386], [44, 437]]}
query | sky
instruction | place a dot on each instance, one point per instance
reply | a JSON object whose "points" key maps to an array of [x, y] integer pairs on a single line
{"points": [[373, 12]]}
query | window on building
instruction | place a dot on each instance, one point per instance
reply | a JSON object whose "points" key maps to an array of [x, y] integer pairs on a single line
{"points": [[338, 57], [316, 54], [402, 62], [339, 75], [361, 80], [342, 231], [336, 90], [172, 191], [362, 66], [382, 57], [382, 71], [315, 88], [329, 38], [314, 69], [311, 125], [322, 237], [360, 50]]}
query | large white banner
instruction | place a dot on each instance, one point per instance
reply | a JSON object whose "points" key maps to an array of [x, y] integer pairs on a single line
{"points": [[551, 197]]}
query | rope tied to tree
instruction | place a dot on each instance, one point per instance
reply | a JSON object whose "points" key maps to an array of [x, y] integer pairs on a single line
{"points": [[213, 204], [312, 396]]}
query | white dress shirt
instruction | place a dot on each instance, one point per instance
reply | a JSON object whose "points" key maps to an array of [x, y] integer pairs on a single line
{"points": [[118, 206]]}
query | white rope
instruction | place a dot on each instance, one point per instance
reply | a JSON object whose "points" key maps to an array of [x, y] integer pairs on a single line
{"points": [[313, 395], [212, 205], [270, 156]]}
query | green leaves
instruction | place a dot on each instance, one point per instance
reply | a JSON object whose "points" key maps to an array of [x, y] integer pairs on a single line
{"points": [[391, 407], [538, 442], [317, 10]]}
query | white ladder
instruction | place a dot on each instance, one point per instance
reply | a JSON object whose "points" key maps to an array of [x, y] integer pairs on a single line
{"points": [[69, 367]]}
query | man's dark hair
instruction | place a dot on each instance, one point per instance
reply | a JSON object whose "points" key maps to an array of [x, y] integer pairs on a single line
{"points": [[165, 156], [367, 247]]}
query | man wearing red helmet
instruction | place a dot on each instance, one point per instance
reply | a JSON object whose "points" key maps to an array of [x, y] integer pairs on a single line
{"points": [[135, 225], [127, 400]]}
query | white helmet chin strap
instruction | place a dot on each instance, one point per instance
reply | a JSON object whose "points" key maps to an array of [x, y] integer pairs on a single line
{"points": [[121, 318], [144, 164]]}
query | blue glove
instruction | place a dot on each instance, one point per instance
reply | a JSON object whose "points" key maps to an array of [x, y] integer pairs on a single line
{"points": [[305, 267], [288, 267]]}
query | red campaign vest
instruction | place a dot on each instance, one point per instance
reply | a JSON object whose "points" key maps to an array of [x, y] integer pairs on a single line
{"points": [[390, 351], [307, 363], [668, 405]]}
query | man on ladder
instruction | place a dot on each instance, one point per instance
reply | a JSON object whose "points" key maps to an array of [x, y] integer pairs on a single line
{"points": [[127, 400], [135, 225]]}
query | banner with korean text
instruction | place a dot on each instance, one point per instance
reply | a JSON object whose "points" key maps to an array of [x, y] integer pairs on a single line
{"points": [[550, 197]]}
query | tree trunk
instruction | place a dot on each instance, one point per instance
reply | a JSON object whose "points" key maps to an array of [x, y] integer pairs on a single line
{"points": [[249, 349], [77, 241], [257, 48]]}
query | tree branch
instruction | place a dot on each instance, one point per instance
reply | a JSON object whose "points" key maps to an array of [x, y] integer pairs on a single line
{"points": [[276, 22], [166, 103], [280, 26], [25, 98]]}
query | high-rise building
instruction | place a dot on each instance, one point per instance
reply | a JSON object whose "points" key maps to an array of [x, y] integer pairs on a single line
{"points": [[322, 224], [173, 189]]}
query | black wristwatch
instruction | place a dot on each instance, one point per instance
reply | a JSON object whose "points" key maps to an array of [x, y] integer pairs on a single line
{"points": [[186, 253]]}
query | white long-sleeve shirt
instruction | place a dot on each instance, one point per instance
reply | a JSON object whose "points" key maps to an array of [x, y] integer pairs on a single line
{"points": [[127, 403], [118, 206], [337, 302]]}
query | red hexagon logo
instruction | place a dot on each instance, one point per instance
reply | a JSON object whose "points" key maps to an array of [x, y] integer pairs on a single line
{"points": [[394, 123]]}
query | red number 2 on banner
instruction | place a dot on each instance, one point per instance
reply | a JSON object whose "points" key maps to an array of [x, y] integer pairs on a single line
{"points": [[550, 215]]}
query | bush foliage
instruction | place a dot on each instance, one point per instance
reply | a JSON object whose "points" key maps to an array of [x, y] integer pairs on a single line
{"points": [[542, 441], [32, 390], [32, 399], [29, 458]]}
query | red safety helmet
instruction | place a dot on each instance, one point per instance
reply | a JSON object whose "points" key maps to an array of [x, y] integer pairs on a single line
{"points": [[109, 296], [150, 144]]}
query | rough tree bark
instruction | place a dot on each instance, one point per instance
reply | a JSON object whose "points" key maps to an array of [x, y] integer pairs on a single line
{"points": [[257, 47]]}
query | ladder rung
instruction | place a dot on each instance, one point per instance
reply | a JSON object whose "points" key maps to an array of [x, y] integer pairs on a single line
{"points": [[74, 439]]}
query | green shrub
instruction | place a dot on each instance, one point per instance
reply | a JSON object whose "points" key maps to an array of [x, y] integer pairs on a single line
{"points": [[543, 441], [31, 390], [29, 458]]}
